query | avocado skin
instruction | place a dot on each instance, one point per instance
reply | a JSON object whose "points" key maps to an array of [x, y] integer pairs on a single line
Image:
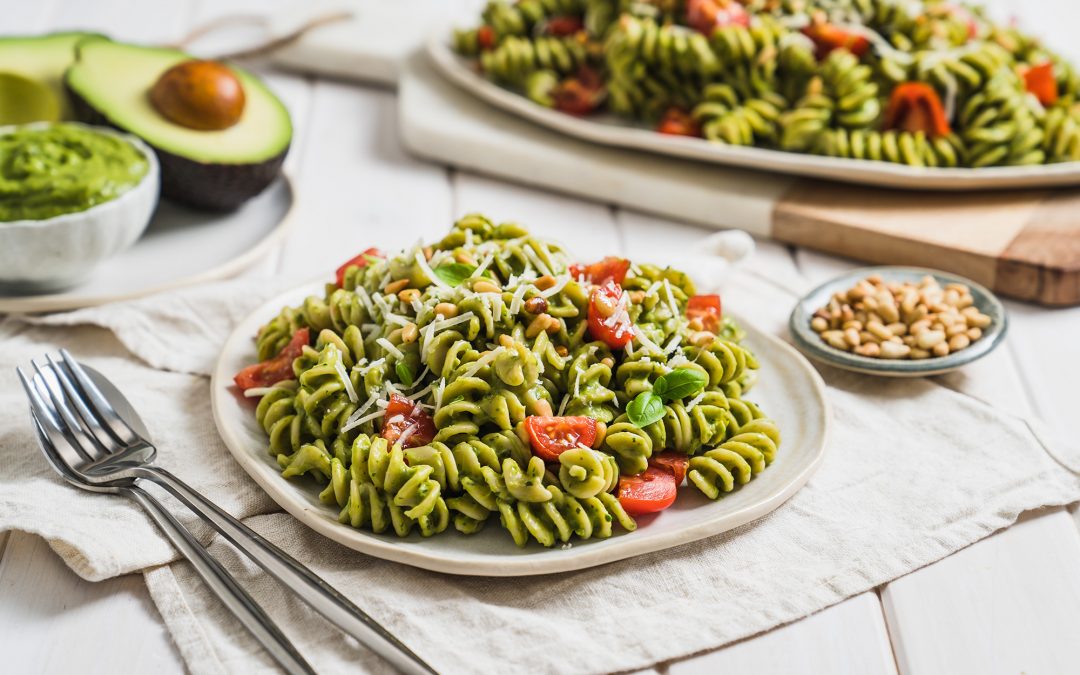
{"points": [[204, 185]]}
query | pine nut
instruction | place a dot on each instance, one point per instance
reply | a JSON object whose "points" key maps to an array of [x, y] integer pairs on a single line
{"points": [[394, 286], [536, 305], [636, 296], [851, 336], [446, 310], [817, 323], [974, 334], [704, 337], [958, 342], [836, 340], [409, 333], [867, 336], [919, 354], [941, 349], [484, 286], [538, 325], [870, 349], [465, 258], [928, 339], [882, 332], [408, 294], [891, 350], [561, 350], [854, 323], [545, 282]]}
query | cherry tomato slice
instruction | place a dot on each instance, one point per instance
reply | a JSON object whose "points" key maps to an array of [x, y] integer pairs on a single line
{"points": [[1041, 82], [552, 436], [406, 420], [608, 320], [915, 106], [672, 461], [651, 491], [276, 369], [706, 309], [828, 37], [579, 95], [359, 261], [611, 267], [561, 26], [678, 122], [485, 37], [706, 16]]}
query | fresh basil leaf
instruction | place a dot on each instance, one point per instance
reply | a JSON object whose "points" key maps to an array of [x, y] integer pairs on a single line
{"points": [[645, 409], [454, 273], [680, 383], [404, 373]]}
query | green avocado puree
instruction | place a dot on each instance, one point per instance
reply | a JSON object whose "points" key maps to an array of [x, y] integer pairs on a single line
{"points": [[63, 168]]}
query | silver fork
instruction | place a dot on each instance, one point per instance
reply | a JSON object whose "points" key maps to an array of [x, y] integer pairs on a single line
{"points": [[57, 443], [122, 454]]}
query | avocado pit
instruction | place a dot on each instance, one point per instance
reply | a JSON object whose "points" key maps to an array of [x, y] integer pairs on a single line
{"points": [[200, 95]]}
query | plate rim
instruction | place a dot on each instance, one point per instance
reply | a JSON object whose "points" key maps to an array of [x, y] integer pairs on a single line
{"points": [[58, 302], [286, 494], [809, 344], [860, 172]]}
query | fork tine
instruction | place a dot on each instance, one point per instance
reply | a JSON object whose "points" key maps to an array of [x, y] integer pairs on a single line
{"points": [[101, 433], [85, 444], [46, 418], [98, 404]]}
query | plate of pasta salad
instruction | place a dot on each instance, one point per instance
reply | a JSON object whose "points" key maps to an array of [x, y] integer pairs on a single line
{"points": [[926, 94], [486, 404]]}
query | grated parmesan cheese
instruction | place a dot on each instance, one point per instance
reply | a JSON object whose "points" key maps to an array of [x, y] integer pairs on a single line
{"points": [[354, 419], [335, 355], [374, 364], [671, 299], [530, 253], [561, 284], [483, 266], [255, 392], [479, 363], [653, 290], [389, 347], [672, 344], [694, 401], [645, 342], [353, 423], [428, 272], [562, 405], [439, 393], [518, 299], [417, 306]]}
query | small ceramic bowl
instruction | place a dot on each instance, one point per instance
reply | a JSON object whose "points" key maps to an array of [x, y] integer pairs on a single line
{"points": [[38, 256], [810, 343]]}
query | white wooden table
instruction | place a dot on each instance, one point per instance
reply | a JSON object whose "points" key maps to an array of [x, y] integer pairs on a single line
{"points": [[1008, 604]]}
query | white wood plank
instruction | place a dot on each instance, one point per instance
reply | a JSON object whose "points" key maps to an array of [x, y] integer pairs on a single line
{"points": [[1007, 604], [587, 229], [51, 621], [846, 638], [358, 188], [131, 20]]}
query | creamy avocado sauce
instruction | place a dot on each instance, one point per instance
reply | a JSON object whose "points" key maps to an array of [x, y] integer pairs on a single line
{"points": [[63, 168]]}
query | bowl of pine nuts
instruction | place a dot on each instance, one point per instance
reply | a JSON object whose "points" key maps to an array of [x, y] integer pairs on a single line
{"points": [[898, 322]]}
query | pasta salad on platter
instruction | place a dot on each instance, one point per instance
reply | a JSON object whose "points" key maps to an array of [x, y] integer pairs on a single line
{"points": [[489, 377]]}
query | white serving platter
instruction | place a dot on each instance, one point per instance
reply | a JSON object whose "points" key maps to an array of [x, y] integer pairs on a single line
{"points": [[612, 131], [788, 389], [180, 247]]}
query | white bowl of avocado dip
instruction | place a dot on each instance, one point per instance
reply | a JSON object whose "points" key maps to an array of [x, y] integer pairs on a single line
{"points": [[71, 195]]}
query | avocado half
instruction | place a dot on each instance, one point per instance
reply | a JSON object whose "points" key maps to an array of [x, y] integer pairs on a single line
{"points": [[109, 83], [31, 77]]}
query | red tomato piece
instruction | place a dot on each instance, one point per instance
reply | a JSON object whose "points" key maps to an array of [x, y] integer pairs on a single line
{"points": [[828, 37], [608, 318], [579, 95], [653, 490], [706, 16], [678, 122], [276, 369], [406, 420], [705, 308], [611, 267], [485, 37], [561, 26], [1041, 82], [672, 461], [915, 106], [359, 261], [552, 436]]}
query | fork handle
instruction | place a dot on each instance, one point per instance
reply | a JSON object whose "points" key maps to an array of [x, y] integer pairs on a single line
{"points": [[311, 588], [223, 585]]}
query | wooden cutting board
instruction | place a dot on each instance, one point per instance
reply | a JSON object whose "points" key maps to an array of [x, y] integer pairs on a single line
{"points": [[1024, 244]]}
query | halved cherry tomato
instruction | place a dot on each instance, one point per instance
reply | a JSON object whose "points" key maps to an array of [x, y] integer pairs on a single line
{"points": [[276, 369], [705, 308], [672, 461], [678, 122], [651, 491], [915, 106], [608, 319], [706, 16], [579, 95], [359, 261], [405, 417], [485, 37], [561, 26], [552, 436], [611, 267], [1041, 82], [828, 37]]}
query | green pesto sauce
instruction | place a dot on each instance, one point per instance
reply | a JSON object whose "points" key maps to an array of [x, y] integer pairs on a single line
{"points": [[63, 168]]}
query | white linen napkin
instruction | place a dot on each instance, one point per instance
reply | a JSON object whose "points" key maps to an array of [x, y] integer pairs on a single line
{"points": [[914, 472]]}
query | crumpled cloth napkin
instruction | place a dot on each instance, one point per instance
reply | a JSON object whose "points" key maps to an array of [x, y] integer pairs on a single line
{"points": [[914, 472]]}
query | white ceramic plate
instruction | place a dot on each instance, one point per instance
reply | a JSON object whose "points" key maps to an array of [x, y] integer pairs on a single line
{"points": [[613, 131], [180, 247], [789, 390]]}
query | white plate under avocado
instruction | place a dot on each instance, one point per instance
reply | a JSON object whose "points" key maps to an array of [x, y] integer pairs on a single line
{"points": [[811, 344]]}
